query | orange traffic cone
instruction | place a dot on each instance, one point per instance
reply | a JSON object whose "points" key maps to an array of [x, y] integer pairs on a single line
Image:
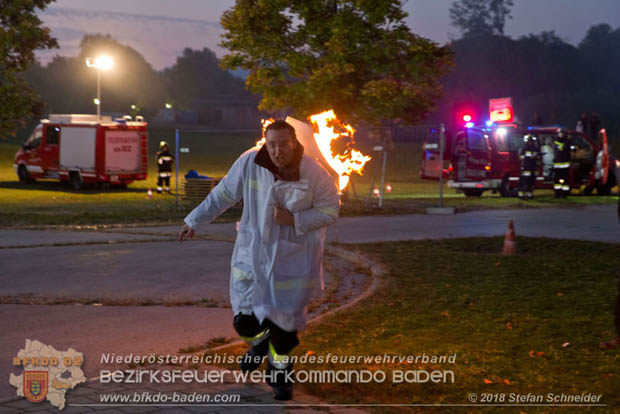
{"points": [[510, 241]]}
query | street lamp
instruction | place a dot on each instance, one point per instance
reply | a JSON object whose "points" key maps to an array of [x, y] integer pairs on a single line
{"points": [[99, 63]]}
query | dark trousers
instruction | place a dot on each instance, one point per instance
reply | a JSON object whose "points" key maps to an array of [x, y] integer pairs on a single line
{"points": [[163, 181], [527, 182], [283, 341], [561, 179]]}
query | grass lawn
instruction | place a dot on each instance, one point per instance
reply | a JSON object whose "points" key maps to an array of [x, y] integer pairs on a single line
{"points": [[49, 202], [524, 324]]}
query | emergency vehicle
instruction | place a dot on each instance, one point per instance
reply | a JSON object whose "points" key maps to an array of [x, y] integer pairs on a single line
{"points": [[486, 158], [83, 149]]}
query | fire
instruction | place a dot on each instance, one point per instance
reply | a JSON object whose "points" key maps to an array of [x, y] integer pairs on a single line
{"points": [[265, 123], [328, 130], [343, 164]]}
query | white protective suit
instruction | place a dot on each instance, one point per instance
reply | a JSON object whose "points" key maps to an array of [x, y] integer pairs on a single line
{"points": [[274, 268]]}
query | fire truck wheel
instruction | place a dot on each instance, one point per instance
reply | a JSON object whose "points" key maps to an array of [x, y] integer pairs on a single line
{"points": [[473, 192], [24, 175], [605, 189], [76, 180], [505, 190]]}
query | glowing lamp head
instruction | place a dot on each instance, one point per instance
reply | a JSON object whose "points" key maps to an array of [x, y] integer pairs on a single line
{"points": [[100, 62], [467, 118], [489, 123]]}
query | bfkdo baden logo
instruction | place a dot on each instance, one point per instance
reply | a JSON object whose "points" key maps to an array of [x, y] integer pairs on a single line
{"points": [[35, 385], [48, 373]]}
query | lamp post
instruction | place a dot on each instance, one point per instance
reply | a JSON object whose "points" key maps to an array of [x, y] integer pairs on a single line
{"points": [[99, 63]]}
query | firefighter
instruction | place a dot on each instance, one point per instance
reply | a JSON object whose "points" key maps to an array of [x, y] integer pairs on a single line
{"points": [[529, 155], [561, 163], [164, 167]]}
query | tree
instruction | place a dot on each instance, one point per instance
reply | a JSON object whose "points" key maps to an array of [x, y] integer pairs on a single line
{"points": [[480, 17], [131, 81], [357, 57], [21, 33], [69, 86], [197, 74]]}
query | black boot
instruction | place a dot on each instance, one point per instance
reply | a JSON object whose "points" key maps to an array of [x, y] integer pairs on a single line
{"points": [[254, 357], [279, 381]]}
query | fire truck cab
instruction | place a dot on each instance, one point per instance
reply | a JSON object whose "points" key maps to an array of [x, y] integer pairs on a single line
{"points": [[486, 158], [84, 149]]}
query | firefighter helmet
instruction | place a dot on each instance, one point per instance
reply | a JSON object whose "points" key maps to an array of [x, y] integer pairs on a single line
{"points": [[561, 133], [163, 144]]}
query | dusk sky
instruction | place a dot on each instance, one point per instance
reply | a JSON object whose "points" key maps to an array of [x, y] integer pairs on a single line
{"points": [[160, 29]]}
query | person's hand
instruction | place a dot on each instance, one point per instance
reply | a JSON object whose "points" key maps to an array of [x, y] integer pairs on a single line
{"points": [[186, 232], [282, 216]]}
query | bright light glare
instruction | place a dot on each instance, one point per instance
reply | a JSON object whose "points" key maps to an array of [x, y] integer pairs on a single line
{"points": [[469, 124], [100, 62], [501, 132], [96, 101], [489, 123], [467, 118]]}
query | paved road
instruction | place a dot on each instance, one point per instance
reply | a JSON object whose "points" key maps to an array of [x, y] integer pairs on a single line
{"points": [[141, 263], [595, 223], [160, 271]]}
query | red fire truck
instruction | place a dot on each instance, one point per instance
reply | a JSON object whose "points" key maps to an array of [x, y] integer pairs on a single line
{"points": [[487, 158], [84, 149]]}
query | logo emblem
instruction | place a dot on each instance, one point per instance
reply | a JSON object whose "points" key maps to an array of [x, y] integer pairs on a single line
{"points": [[35, 385]]}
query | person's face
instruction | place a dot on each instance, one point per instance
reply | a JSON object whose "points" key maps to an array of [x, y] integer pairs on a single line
{"points": [[280, 146]]}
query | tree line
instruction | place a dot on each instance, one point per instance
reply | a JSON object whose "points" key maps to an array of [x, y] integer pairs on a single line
{"points": [[68, 86], [544, 74], [358, 57]]}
